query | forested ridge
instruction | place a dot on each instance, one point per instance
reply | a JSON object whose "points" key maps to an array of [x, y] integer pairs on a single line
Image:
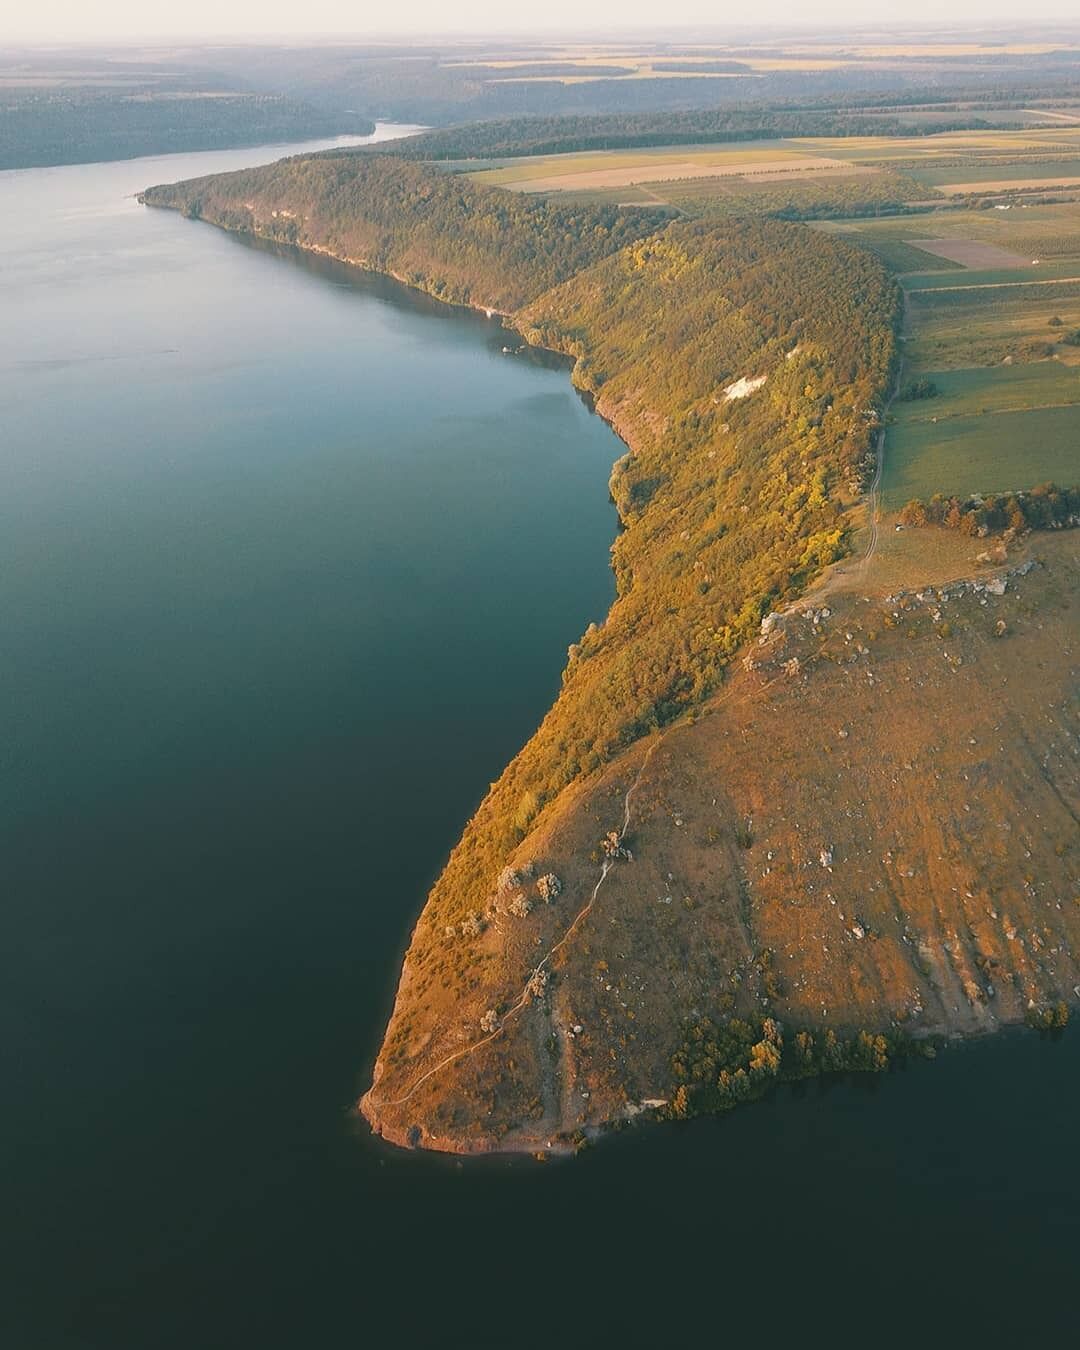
{"points": [[730, 504], [460, 241]]}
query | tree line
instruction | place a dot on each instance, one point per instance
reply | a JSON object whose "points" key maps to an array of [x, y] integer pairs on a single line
{"points": [[1046, 507], [511, 137]]}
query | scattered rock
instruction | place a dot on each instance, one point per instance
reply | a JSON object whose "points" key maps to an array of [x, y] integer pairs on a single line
{"points": [[472, 925], [538, 983], [614, 848], [512, 879], [548, 887]]}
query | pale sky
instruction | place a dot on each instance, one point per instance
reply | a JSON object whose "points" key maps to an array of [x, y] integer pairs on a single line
{"points": [[112, 20]]}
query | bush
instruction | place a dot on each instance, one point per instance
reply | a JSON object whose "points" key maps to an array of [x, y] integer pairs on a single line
{"points": [[919, 389]]}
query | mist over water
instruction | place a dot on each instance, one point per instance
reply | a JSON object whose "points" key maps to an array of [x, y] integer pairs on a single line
{"points": [[289, 561]]}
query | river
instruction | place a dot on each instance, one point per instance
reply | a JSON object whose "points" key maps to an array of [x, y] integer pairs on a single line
{"points": [[289, 561]]}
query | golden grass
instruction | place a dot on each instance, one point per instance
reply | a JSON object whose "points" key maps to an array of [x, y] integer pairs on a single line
{"points": [[644, 164], [654, 175]]}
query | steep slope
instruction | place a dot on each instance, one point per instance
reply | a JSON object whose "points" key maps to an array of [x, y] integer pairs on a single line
{"points": [[871, 832]]}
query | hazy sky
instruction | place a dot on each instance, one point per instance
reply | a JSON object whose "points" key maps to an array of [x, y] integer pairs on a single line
{"points": [[78, 20]]}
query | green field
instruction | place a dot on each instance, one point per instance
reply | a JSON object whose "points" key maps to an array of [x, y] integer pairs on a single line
{"points": [[1035, 230], [957, 339], [971, 299], [981, 171], [1061, 269], [993, 389], [999, 452]]}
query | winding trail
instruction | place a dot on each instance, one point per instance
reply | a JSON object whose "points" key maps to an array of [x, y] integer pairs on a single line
{"points": [[525, 996], [873, 499]]}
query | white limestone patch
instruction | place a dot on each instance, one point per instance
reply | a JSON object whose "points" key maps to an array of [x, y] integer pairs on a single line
{"points": [[742, 388]]}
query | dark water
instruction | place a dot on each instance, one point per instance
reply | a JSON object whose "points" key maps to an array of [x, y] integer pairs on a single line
{"points": [[288, 565]]}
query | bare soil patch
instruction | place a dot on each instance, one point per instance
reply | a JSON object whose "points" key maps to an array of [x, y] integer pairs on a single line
{"points": [[971, 252]]}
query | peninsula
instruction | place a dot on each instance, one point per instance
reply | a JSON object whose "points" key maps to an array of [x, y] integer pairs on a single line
{"points": [[809, 795]]}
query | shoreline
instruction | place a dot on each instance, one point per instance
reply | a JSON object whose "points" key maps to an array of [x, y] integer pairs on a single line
{"points": [[561, 1136]]}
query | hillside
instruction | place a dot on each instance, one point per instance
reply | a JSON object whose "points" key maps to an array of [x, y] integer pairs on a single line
{"points": [[553, 984], [460, 242], [869, 835]]}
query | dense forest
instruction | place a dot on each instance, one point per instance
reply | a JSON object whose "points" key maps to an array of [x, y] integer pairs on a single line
{"points": [[460, 241], [41, 126], [510, 137]]}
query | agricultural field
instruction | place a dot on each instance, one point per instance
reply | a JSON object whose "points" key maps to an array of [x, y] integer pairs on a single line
{"points": [[1032, 229], [992, 452], [1001, 353], [957, 179], [915, 171], [574, 62], [600, 170], [923, 152], [1034, 272]]}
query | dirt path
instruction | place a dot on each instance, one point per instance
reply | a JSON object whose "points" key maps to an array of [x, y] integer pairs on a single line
{"points": [[525, 997], [873, 500]]}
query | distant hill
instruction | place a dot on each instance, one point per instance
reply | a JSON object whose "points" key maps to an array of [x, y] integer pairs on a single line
{"points": [[42, 126]]}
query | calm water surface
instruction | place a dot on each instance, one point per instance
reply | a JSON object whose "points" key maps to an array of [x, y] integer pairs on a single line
{"points": [[289, 560]]}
